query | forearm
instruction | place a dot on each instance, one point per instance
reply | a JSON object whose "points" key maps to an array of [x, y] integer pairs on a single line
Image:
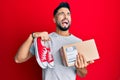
{"points": [[82, 72], [23, 52]]}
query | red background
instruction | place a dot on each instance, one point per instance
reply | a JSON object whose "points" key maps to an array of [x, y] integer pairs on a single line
{"points": [[98, 19]]}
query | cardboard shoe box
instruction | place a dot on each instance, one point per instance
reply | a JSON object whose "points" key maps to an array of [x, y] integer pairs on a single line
{"points": [[87, 48]]}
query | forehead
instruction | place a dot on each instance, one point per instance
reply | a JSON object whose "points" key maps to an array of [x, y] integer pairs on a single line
{"points": [[63, 10]]}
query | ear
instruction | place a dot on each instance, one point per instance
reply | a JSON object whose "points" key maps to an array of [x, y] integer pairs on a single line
{"points": [[54, 20]]}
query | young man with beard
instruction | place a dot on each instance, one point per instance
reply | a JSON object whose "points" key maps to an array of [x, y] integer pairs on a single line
{"points": [[62, 36]]}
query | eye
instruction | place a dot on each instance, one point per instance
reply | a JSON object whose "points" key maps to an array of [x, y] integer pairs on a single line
{"points": [[61, 13], [68, 13]]}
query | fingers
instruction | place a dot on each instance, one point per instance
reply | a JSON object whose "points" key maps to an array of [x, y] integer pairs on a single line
{"points": [[45, 38], [84, 61], [80, 61], [44, 35], [90, 62], [76, 64]]}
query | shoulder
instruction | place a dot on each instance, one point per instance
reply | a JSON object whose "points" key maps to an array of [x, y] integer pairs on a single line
{"points": [[52, 34], [75, 37]]}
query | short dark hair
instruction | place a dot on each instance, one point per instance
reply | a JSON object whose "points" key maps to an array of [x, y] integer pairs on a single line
{"points": [[61, 5]]}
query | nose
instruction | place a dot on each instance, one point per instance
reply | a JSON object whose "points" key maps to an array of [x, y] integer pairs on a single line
{"points": [[65, 15]]}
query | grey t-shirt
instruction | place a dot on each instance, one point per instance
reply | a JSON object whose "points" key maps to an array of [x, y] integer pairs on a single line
{"points": [[59, 72]]}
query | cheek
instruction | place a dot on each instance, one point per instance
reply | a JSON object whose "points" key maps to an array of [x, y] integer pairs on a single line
{"points": [[69, 19], [59, 19]]}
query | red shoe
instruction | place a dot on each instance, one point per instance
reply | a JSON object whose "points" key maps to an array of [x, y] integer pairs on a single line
{"points": [[50, 58], [40, 52]]}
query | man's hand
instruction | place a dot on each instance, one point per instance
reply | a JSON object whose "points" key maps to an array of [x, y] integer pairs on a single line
{"points": [[44, 35], [81, 65]]}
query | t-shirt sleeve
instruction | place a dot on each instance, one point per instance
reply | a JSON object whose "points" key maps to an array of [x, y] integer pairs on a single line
{"points": [[32, 49]]}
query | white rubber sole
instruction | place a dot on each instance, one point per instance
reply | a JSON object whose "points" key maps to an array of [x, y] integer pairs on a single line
{"points": [[51, 64]]}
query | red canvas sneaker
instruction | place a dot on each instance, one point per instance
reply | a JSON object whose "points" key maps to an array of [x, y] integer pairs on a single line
{"points": [[40, 52]]}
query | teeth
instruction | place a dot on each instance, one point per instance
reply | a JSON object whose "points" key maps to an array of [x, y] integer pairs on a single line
{"points": [[64, 24], [65, 21]]}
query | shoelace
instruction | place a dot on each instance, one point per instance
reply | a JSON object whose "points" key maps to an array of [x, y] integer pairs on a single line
{"points": [[50, 57], [43, 56]]}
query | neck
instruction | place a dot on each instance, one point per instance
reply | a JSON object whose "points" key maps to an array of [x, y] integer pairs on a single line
{"points": [[63, 33]]}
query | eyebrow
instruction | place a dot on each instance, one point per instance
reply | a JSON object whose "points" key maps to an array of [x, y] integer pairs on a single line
{"points": [[63, 12]]}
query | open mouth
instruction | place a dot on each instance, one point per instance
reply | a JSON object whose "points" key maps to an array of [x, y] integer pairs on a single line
{"points": [[65, 22]]}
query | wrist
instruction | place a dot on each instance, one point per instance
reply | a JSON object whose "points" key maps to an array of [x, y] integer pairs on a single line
{"points": [[33, 35], [80, 69], [82, 72], [30, 37]]}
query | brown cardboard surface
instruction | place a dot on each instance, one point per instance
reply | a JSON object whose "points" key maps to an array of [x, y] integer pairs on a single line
{"points": [[87, 48]]}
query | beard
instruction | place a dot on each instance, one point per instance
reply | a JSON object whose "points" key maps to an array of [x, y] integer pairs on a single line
{"points": [[63, 28]]}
